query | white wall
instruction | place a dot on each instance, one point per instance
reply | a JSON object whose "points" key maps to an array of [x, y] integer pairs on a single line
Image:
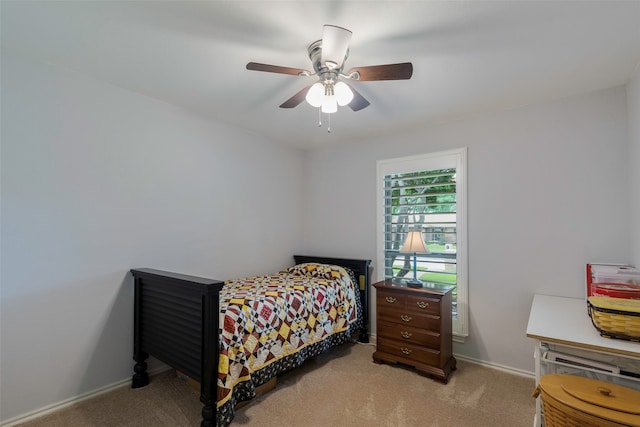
{"points": [[547, 191], [97, 180], [633, 107]]}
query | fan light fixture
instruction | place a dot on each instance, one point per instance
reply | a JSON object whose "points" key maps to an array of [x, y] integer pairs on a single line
{"points": [[328, 95], [328, 55]]}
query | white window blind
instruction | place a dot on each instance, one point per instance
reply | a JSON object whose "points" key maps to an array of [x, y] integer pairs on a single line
{"points": [[426, 193]]}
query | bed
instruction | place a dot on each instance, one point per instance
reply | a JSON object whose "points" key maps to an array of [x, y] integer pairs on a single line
{"points": [[234, 336]]}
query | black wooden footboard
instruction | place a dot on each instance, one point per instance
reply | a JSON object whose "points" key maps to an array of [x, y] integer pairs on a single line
{"points": [[176, 320]]}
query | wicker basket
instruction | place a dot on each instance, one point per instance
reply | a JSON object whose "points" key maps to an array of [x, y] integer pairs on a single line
{"points": [[615, 317], [573, 401]]}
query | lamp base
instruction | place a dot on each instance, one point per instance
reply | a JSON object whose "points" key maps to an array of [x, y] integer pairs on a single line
{"points": [[414, 283]]}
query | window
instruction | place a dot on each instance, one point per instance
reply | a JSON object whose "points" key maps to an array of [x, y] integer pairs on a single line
{"points": [[428, 193]]}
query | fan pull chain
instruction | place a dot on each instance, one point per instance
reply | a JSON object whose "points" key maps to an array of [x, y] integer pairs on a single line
{"points": [[328, 120]]}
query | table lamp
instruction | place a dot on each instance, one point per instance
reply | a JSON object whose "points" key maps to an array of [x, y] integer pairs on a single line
{"points": [[414, 244]]}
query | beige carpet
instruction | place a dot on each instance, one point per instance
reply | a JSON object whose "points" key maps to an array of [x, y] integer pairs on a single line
{"points": [[342, 388]]}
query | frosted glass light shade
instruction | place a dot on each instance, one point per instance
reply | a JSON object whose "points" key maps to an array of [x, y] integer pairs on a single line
{"points": [[343, 92], [315, 94], [329, 104]]}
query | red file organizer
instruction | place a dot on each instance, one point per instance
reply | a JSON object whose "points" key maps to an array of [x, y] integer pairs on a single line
{"points": [[617, 286]]}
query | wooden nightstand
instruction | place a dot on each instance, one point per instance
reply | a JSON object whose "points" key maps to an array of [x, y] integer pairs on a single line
{"points": [[414, 328]]}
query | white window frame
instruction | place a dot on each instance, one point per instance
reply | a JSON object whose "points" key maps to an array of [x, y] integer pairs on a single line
{"points": [[430, 161]]}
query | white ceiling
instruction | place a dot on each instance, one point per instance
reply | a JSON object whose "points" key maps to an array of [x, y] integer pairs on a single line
{"points": [[468, 57]]}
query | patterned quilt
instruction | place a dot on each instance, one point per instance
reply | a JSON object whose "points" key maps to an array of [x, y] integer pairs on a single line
{"points": [[269, 324]]}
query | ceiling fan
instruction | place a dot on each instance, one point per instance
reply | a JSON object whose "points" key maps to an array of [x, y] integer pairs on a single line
{"points": [[328, 56]]}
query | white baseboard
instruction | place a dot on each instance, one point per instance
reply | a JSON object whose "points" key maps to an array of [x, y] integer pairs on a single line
{"points": [[503, 368], [73, 400]]}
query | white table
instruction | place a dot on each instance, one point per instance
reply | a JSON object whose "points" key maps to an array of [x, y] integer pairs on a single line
{"points": [[563, 324]]}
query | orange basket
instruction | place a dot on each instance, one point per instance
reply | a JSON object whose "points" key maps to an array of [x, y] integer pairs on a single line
{"points": [[574, 401]]}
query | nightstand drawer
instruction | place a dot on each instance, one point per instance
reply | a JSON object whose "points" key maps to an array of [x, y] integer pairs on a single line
{"points": [[419, 303], [409, 352], [390, 299], [406, 318], [411, 335]]}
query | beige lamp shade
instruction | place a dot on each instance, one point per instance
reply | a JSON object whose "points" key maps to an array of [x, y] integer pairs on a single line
{"points": [[414, 243]]}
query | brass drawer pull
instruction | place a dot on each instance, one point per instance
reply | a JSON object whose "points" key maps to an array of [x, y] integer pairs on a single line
{"points": [[390, 300], [406, 318], [405, 350], [406, 335], [422, 304]]}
